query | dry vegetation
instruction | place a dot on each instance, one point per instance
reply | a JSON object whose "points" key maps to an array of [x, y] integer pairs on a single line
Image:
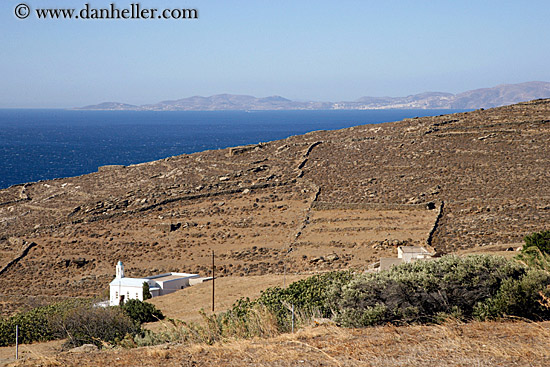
{"points": [[452, 344], [36, 351], [186, 305]]}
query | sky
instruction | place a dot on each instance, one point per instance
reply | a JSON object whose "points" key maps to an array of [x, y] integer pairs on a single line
{"points": [[301, 49]]}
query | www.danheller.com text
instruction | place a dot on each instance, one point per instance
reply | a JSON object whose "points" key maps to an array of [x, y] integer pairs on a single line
{"points": [[88, 12]]}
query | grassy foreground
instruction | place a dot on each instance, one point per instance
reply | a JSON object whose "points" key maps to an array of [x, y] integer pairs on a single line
{"points": [[505, 343]]}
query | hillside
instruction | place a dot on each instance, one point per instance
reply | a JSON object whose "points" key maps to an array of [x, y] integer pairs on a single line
{"points": [[315, 202], [500, 95], [219, 102]]}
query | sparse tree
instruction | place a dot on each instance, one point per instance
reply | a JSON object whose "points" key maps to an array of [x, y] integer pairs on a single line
{"points": [[146, 292]]}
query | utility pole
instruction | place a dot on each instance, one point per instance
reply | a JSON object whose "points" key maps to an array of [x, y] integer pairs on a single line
{"points": [[16, 341], [213, 279], [293, 318]]}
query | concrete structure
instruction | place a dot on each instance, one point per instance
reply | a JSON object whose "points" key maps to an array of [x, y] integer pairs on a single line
{"points": [[411, 253], [405, 254], [123, 288]]}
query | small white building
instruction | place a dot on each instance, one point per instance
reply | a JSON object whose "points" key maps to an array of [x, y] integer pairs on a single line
{"points": [[123, 289], [405, 254], [411, 253]]}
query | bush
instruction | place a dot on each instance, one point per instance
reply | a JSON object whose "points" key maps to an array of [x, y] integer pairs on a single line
{"points": [[518, 297], [34, 325], [146, 292], [424, 291], [77, 320], [540, 240], [536, 251], [245, 320], [308, 296], [477, 286], [94, 325], [534, 258], [141, 312]]}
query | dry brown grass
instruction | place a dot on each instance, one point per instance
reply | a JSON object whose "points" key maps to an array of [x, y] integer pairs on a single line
{"points": [[186, 304], [39, 351], [452, 344], [158, 352]]}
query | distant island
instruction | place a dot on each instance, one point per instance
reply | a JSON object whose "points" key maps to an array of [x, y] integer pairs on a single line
{"points": [[500, 95]]}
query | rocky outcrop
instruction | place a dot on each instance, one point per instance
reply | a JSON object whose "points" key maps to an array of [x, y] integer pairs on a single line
{"points": [[26, 248]]}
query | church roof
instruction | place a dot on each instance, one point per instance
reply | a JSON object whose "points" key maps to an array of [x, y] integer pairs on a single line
{"points": [[151, 280]]}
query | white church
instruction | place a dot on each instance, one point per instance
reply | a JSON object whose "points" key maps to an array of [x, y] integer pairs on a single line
{"points": [[123, 288]]}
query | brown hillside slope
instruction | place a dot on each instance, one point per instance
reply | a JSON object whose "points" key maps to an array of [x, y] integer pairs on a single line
{"points": [[490, 167], [319, 201]]}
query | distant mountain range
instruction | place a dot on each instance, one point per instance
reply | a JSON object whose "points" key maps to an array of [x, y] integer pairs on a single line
{"points": [[479, 98]]}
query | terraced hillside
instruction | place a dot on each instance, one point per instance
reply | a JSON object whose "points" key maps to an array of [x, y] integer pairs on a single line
{"points": [[319, 201]]}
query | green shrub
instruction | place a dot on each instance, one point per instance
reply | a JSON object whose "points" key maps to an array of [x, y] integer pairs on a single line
{"points": [[77, 320], [535, 258], [308, 296], [146, 292], [540, 240], [422, 291], [141, 312], [536, 251], [34, 325], [476, 286], [518, 297], [252, 320]]}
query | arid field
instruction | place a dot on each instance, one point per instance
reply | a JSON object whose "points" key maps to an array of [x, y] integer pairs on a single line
{"points": [[453, 344]]}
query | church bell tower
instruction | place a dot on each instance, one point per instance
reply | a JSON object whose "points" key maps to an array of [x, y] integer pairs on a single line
{"points": [[119, 270]]}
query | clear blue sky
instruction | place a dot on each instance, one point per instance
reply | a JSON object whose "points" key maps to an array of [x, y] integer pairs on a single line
{"points": [[299, 49]]}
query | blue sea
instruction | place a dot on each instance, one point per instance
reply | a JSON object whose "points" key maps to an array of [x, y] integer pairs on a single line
{"points": [[40, 144]]}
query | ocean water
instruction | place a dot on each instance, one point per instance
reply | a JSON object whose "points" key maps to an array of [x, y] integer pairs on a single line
{"points": [[46, 144]]}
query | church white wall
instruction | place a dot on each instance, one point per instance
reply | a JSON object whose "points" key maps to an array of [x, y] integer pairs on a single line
{"points": [[128, 292]]}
